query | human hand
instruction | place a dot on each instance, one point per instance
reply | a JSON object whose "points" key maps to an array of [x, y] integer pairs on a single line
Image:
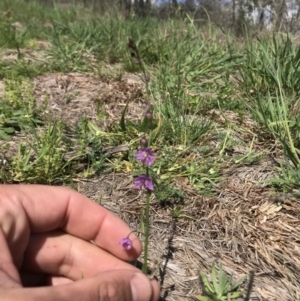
{"points": [[45, 246]]}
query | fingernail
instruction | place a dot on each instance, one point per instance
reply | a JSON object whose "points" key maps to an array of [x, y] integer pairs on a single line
{"points": [[141, 288]]}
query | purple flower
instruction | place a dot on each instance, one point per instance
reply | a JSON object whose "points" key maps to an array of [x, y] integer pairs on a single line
{"points": [[145, 155], [148, 114], [145, 104], [143, 182], [126, 243], [143, 141]]}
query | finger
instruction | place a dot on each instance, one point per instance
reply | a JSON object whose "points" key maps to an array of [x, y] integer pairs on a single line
{"points": [[109, 286], [49, 208], [58, 253], [14, 224], [57, 280], [9, 276], [39, 279]]}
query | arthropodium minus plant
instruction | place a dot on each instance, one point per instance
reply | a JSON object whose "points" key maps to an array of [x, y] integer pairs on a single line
{"points": [[146, 156], [144, 181]]}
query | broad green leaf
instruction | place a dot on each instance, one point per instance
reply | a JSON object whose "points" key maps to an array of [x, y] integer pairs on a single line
{"points": [[224, 281], [236, 295], [214, 279], [207, 287]]}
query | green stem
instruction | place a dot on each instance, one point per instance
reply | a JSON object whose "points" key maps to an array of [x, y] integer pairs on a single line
{"points": [[146, 233], [146, 227], [148, 194]]}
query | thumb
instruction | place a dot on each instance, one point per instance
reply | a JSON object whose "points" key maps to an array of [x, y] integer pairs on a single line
{"points": [[119, 285], [116, 285]]}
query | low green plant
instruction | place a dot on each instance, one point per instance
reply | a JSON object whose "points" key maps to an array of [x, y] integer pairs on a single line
{"points": [[270, 61], [269, 79], [221, 287], [17, 107], [11, 37], [90, 147], [42, 159], [167, 193], [177, 212]]}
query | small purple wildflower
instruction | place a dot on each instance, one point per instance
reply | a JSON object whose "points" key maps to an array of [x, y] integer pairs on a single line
{"points": [[143, 141], [146, 156], [138, 62], [148, 114], [126, 243], [147, 78], [145, 104], [143, 182]]}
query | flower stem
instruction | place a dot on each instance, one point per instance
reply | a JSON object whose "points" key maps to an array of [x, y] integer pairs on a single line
{"points": [[146, 233]]}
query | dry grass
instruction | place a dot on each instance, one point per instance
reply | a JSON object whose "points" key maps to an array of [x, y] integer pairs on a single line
{"points": [[241, 226]]}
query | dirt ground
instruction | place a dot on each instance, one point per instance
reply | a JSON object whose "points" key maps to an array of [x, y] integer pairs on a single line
{"points": [[241, 227]]}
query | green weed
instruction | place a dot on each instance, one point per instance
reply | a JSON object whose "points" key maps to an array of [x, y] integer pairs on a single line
{"points": [[221, 287], [17, 107], [42, 159], [270, 79]]}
